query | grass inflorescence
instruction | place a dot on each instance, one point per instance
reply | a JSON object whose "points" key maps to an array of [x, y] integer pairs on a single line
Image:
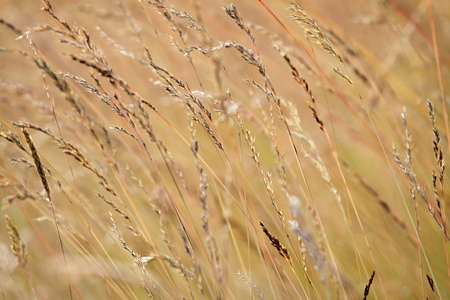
{"points": [[215, 150]]}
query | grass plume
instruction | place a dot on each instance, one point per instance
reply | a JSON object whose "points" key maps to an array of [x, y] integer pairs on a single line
{"points": [[195, 149]]}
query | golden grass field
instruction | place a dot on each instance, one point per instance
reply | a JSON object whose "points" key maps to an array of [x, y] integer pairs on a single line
{"points": [[200, 149]]}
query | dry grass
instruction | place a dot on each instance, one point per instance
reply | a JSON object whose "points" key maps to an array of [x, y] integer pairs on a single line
{"points": [[203, 149]]}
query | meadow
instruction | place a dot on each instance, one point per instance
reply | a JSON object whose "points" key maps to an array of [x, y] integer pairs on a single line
{"points": [[209, 149]]}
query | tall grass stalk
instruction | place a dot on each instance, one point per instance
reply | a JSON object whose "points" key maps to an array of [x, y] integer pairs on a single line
{"points": [[172, 149]]}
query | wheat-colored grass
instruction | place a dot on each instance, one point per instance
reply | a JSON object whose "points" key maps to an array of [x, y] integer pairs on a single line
{"points": [[203, 149]]}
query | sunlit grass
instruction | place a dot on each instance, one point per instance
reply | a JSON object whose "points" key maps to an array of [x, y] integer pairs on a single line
{"points": [[202, 149]]}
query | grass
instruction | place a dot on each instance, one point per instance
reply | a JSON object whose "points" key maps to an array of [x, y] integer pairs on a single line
{"points": [[203, 149]]}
